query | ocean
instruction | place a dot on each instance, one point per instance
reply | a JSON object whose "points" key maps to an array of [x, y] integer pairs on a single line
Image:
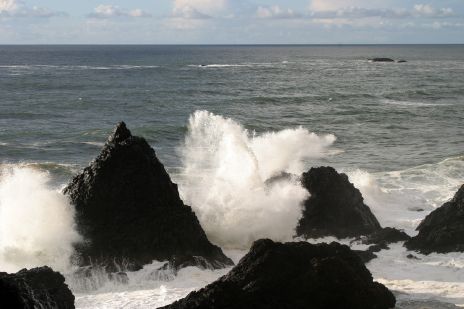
{"points": [[223, 119]]}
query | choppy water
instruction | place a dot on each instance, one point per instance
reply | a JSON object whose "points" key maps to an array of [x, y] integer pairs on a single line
{"points": [[395, 128]]}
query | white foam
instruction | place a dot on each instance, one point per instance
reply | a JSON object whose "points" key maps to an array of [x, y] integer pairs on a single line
{"points": [[395, 197], [36, 221], [224, 172]]}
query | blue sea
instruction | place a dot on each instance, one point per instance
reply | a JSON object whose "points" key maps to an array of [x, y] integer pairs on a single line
{"points": [[223, 119]]}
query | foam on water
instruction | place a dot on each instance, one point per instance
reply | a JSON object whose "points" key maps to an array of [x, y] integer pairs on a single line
{"points": [[403, 198], [225, 172], [36, 221]]}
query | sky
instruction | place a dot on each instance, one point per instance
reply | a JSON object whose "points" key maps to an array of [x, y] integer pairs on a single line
{"points": [[231, 21]]}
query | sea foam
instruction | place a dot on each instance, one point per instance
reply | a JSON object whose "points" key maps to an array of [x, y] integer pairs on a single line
{"points": [[36, 221], [225, 168]]}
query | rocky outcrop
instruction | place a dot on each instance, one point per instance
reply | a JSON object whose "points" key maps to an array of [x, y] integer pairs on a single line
{"points": [[130, 212], [385, 236], [443, 229], [35, 288], [335, 207], [293, 275], [382, 60]]}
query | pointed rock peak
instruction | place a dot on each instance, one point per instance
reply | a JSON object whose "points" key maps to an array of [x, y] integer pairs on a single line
{"points": [[120, 133]]}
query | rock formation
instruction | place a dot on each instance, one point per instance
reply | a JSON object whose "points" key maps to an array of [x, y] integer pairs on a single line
{"points": [[335, 207], [293, 275], [382, 60], [36, 288], [130, 212], [442, 230], [385, 236]]}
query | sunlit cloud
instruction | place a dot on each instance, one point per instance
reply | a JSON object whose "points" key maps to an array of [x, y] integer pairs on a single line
{"points": [[111, 11]]}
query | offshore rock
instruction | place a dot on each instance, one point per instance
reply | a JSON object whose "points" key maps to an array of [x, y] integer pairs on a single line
{"points": [[382, 60], [293, 275], [335, 207], [130, 212], [385, 236], [442, 230], [35, 288]]}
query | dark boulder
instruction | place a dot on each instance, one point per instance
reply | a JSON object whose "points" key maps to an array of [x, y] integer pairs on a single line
{"points": [[382, 60], [35, 288], [293, 275], [130, 212], [401, 61], [387, 235], [335, 207], [442, 230]]}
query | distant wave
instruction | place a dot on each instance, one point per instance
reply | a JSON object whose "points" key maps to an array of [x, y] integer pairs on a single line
{"points": [[411, 103], [237, 65], [79, 67]]}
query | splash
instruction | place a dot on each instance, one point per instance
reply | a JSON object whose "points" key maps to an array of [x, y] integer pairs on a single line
{"points": [[225, 168], [36, 222]]}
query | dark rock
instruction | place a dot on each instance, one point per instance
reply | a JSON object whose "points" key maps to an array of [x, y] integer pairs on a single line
{"points": [[418, 209], [365, 255], [130, 212], [385, 236], [412, 257], [293, 275], [35, 288], [335, 207], [401, 61], [378, 247], [369, 254], [442, 230], [382, 60]]}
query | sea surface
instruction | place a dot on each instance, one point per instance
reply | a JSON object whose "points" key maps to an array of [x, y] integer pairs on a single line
{"points": [[223, 119]]}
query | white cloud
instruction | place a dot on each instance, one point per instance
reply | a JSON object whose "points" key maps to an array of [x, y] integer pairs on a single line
{"points": [[333, 5], [14, 8], [110, 11], [276, 12], [207, 7], [426, 10], [8, 6], [188, 12]]}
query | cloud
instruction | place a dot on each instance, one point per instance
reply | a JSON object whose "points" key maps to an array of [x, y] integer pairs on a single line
{"points": [[112, 11], [8, 6], [356, 12], [188, 12], [426, 10], [207, 7], [276, 12], [14, 8]]}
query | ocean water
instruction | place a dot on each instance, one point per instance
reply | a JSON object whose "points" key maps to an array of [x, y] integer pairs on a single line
{"points": [[224, 119]]}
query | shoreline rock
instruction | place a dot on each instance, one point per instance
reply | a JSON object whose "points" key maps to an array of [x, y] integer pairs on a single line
{"points": [[293, 275], [442, 230], [335, 207], [130, 212], [35, 288]]}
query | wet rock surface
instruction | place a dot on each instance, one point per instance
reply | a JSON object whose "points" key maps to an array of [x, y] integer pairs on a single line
{"points": [[130, 213], [442, 230], [35, 288], [335, 207], [293, 275]]}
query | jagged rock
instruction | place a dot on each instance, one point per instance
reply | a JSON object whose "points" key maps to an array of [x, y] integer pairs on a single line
{"points": [[365, 255], [293, 275], [442, 230], [35, 288], [385, 236], [130, 212], [382, 60], [335, 207]]}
